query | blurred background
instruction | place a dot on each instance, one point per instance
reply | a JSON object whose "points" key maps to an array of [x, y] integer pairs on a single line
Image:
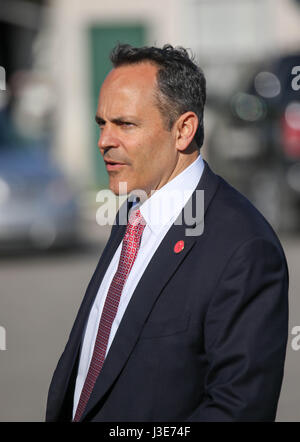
{"points": [[55, 57]]}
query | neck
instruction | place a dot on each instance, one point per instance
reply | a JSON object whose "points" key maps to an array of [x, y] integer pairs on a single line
{"points": [[182, 163]]}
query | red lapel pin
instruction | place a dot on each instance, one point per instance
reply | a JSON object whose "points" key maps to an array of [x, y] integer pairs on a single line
{"points": [[179, 246]]}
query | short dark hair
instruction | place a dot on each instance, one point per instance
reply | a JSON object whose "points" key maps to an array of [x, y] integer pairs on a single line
{"points": [[181, 83]]}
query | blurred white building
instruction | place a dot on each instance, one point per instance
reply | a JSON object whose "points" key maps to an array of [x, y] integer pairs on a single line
{"points": [[77, 37]]}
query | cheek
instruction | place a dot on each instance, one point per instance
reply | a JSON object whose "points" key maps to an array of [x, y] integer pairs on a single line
{"points": [[149, 155], [142, 155]]}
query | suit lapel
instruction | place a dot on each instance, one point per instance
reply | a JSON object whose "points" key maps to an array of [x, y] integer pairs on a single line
{"points": [[117, 233], [70, 356], [98, 275], [148, 290]]}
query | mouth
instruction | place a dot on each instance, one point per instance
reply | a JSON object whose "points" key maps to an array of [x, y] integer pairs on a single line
{"points": [[113, 165]]}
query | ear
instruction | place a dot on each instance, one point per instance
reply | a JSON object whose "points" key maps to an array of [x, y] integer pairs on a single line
{"points": [[185, 129]]}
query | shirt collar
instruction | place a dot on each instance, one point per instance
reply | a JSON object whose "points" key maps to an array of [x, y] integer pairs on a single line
{"points": [[165, 204]]}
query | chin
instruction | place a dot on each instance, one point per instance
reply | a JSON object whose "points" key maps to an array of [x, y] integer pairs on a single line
{"points": [[119, 188], [123, 187]]}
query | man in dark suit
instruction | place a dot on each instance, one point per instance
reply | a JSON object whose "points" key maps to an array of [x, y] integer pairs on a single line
{"points": [[199, 329]]}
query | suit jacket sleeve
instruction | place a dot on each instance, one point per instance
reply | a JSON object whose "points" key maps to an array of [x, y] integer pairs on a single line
{"points": [[246, 331]]}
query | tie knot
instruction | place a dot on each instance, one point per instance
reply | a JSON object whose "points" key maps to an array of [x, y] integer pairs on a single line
{"points": [[136, 218], [135, 226]]}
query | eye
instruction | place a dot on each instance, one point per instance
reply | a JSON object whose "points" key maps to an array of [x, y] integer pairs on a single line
{"points": [[100, 122], [100, 127]]}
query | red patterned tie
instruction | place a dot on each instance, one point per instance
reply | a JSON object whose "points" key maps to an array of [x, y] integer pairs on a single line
{"points": [[130, 247]]}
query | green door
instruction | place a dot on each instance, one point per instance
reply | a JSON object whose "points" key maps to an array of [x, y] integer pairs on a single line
{"points": [[102, 40]]}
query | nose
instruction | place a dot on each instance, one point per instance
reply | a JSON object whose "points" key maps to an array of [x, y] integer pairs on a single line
{"points": [[107, 138]]}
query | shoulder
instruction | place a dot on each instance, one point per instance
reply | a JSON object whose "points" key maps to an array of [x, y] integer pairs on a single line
{"points": [[231, 220]]}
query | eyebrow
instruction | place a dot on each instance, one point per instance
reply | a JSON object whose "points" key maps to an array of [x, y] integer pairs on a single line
{"points": [[121, 119], [99, 120]]}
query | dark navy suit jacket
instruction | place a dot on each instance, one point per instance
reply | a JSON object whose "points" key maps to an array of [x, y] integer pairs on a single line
{"points": [[204, 335]]}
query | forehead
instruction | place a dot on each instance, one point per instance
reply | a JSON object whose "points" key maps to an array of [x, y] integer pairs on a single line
{"points": [[129, 85]]}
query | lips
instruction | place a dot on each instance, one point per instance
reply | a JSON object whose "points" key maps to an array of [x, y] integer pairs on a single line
{"points": [[113, 162], [113, 165]]}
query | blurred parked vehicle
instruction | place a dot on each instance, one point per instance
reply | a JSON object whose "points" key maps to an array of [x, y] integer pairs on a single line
{"points": [[255, 143], [38, 210]]}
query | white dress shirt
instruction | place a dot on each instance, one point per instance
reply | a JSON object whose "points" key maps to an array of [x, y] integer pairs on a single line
{"points": [[159, 211]]}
